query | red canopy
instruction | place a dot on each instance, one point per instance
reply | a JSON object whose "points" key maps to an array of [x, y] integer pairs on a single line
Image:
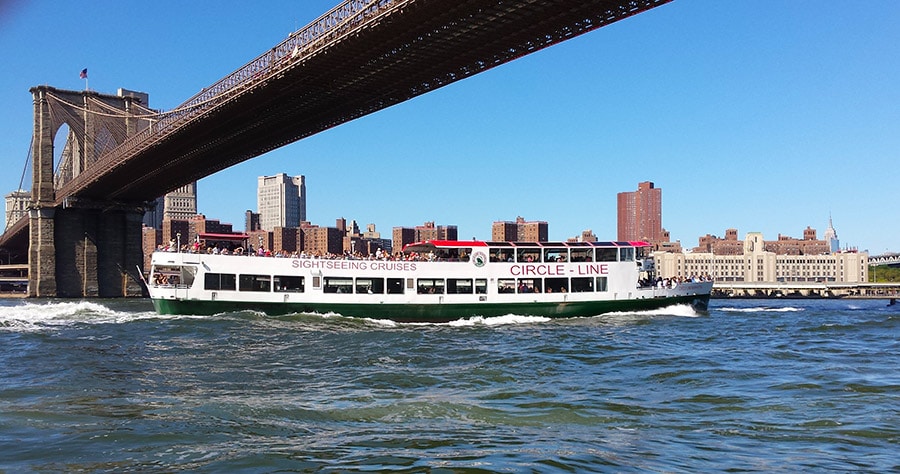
{"points": [[228, 237]]}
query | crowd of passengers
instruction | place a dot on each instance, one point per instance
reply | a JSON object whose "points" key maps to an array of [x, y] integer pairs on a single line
{"points": [[661, 282], [197, 247]]}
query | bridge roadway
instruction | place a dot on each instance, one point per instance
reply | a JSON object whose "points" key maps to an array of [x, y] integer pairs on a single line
{"points": [[888, 259], [360, 57]]}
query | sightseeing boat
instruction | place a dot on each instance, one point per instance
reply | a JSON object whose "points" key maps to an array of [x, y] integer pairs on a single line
{"points": [[432, 281]]}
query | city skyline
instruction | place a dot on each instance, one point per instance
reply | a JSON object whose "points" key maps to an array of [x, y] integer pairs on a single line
{"points": [[767, 117], [828, 234]]}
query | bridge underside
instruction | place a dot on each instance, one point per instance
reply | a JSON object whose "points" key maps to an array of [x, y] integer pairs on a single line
{"points": [[406, 52], [408, 49]]}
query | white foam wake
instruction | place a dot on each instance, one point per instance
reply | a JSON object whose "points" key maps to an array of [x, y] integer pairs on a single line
{"points": [[36, 316], [682, 310], [762, 309]]}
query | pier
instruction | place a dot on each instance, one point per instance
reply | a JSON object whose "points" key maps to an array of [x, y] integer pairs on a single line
{"points": [[805, 290], [13, 280]]}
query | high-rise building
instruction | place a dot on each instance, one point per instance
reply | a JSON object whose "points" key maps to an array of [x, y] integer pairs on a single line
{"points": [[281, 201], [251, 221], [831, 237], [640, 214], [180, 204], [520, 231]]}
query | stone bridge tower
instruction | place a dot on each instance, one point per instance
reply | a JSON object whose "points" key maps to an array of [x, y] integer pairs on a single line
{"points": [[82, 247]]}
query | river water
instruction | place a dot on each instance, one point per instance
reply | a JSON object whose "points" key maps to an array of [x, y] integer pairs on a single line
{"points": [[750, 385]]}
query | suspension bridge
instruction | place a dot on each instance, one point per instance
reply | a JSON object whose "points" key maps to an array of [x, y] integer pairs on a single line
{"points": [[82, 232]]}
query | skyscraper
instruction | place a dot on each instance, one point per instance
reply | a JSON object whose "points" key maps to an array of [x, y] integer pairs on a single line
{"points": [[180, 204], [281, 201], [640, 214], [834, 245]]}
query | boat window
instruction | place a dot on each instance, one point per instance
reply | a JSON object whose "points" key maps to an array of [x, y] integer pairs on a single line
{"points": [[338, 285], [174, 275], [506, 285], [459, 286], [165, 276], [556, 255], [556, 285], [626, 254], [481, 286], [601, 284], [529, 285], [582, 285], [502, 255], [452, 254], [187, 275], [529, 255], [431, 286], [607, 255], [289, 284], [581, 255], [220, 281], [395, 286], [255, 282], [370, 285]]}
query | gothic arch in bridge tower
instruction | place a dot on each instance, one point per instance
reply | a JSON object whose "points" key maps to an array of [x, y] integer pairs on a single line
{"points": [[79, 249], [92, 123]]}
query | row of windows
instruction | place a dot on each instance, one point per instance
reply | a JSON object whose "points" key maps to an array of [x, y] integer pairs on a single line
{"points": [[441, 286], [227, 281]]}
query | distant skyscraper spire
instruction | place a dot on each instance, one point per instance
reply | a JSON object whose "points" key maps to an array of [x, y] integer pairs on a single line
{"points": [[831, 237]]}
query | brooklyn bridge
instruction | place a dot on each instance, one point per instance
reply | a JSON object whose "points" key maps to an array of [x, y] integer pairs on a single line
{"points": [[82, 232]]}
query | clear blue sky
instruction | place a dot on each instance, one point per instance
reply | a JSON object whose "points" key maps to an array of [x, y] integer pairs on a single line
{"points": [[763, 116]]}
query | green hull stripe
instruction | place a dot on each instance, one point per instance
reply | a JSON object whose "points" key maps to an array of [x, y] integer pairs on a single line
{"points": [[432, 312]]}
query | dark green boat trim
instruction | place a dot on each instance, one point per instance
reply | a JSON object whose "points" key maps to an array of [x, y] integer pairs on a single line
{"points": [[430, 313]]}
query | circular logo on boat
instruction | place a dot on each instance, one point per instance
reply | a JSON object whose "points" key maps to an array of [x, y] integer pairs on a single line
{"points": [[479, 258]]}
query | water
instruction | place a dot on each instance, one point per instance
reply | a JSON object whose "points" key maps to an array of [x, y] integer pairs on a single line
{"points": [[765, 385]]}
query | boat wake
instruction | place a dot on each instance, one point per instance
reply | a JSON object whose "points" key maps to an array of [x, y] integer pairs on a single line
{"points": [[508, 319], [762, 309], [41, 316], [681, 310], [498, 320]]}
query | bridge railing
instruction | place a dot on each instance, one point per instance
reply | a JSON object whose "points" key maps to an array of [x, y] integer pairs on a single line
{"points": [[299, 44], [334, 24]]}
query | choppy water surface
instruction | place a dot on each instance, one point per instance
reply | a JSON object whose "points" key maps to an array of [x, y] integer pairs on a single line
{"points": [[774, 386]]}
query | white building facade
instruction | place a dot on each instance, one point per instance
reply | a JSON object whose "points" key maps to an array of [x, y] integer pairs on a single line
{"points": [[281, 201], [758, 265], [17, 203]]}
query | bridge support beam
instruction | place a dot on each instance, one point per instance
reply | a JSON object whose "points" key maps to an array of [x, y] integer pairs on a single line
{"points": [[41, 253], [42, 248]]}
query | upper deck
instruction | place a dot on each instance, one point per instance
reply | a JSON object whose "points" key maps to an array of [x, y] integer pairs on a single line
{"points": [[523, 252]]}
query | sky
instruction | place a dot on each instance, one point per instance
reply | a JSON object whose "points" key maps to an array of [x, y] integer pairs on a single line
{"points": [[763, 116]]}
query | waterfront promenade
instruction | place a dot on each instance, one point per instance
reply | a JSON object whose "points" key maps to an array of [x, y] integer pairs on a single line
{"points": [[805, 290]]}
